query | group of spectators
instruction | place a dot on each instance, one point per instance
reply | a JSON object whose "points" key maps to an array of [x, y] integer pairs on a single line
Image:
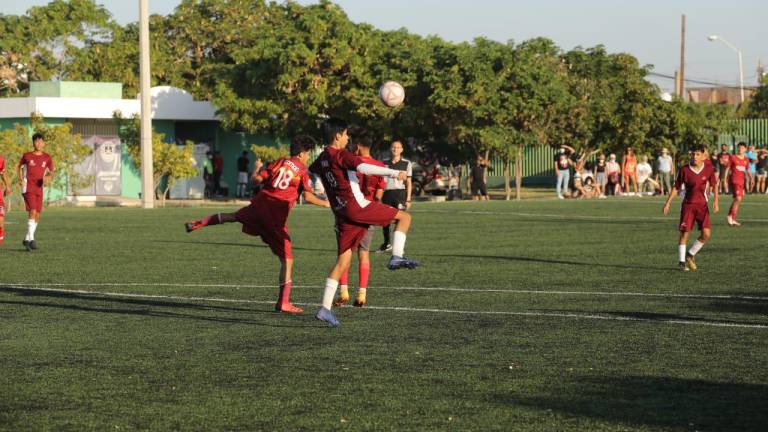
{"points": [[631, 175]]}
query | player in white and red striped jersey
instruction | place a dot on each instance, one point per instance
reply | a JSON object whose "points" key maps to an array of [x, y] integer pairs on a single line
{"points": [[697, 178], [267, 215], [337, 167]]}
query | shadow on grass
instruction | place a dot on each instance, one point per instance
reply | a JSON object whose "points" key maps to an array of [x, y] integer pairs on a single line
{"points": [[556, 261], [143, 307], [751, 307], [663, 317], [246, 245], [656, 402]]}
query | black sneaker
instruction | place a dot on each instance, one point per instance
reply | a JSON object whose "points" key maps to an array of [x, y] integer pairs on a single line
{"points": [[26, 245], [683, 267], [33, 245], [385, 247]]}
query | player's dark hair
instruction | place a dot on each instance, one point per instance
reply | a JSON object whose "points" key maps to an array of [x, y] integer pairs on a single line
{"points": [[361, 137], [697, 148], [37, 136], [741, 144], [332, 127], [302, 143]]}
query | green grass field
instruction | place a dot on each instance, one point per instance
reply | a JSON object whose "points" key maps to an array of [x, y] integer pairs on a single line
{"points": [[539, 315]]}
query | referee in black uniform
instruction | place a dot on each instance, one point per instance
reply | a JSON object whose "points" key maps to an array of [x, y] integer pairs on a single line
{"points": [[398, 193]]}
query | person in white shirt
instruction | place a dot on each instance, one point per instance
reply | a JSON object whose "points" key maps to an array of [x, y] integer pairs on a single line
{"points": [[665, 170], [644, 172]]}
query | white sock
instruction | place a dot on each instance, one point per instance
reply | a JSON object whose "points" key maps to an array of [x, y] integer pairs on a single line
{"points": [[398, 244], [31, 225], [329, 293], [697, 245], [681, 252]]}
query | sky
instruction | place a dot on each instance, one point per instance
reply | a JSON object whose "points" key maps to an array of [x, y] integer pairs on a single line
{"points": [[649, 30]]}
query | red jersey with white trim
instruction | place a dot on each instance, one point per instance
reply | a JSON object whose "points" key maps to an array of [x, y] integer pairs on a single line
{"points": [[370, 184], [337, 170], [739, 168], [696, 183], [283, 179], [35, 167]]}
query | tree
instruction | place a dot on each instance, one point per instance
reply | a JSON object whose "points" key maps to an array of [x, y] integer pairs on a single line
{"points": [[758, 106], [169, 161]]}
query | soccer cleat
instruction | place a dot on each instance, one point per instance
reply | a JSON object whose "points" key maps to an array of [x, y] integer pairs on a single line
{"points": [[342, 299], [33, 245], [25, 243], [396, 263], [690, 262], [326, 315], [385, 247], [683, 267], [191, 226], [359, 301], [288, 308]]}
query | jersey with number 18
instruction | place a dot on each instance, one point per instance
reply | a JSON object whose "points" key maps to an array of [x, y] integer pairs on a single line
{"points": [[284, 179]]}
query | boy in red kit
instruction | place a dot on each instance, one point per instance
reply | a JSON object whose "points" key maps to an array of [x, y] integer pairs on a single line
{"points": [[736, 174], [6, 186], [373, 189], [337, 169], [267, 215], [697, 178], [35, 171]]}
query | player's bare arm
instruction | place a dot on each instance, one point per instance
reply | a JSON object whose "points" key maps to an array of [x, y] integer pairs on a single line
{"points": [[48, 178], [311, 198], [668, 202], [6, 184], [408, 190], [379, 194]]}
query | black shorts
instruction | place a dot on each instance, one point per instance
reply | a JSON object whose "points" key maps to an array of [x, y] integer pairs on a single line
{"points": [[479, 188], [394, 198]]}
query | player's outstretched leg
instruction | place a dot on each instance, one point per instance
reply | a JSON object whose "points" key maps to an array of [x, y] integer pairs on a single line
{"points": [[398, 261], [343, 297], [214, 219], [284, 296]]}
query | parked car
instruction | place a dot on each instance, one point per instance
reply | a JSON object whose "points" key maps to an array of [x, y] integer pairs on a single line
{"points": [[436, 179]]}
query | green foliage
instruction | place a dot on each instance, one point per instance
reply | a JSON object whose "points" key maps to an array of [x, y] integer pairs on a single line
{"points": [[758, 106], [169, 161], [66, 149], [270, 154]]}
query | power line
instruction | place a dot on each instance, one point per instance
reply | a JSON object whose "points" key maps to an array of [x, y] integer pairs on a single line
{"points": [[696, 81]]}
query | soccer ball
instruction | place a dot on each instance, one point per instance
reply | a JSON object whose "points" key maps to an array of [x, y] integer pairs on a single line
{"points": [[392, 94]]}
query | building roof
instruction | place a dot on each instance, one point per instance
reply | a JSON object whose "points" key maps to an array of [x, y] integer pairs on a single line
{"points": [[61, 101]]}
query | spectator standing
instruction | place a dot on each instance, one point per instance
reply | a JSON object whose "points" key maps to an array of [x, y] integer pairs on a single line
{"points": [[724, 161], [600, 176], [762, 170], [210, 190], [397, 193], [665, 170], [242, 174], [752, 155], [644, 172], [563, 169], [629, 170], [218, 170], [612, 171], [478, 180]]}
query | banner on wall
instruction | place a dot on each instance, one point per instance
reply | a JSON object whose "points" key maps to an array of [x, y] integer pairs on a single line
{"points": [[103, 165]]}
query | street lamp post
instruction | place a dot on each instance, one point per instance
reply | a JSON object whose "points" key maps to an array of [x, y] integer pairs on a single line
{"points": [[715, 38]]}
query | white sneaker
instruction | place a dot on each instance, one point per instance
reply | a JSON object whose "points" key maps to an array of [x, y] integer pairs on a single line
{"points": [[560, 197]]}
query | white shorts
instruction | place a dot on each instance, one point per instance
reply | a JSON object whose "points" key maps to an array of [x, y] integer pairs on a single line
{"points": [[242, 177]]}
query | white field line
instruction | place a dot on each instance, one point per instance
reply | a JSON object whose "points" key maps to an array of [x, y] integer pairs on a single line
{"points": [[565, 216], [424, 310], [400, 288]]}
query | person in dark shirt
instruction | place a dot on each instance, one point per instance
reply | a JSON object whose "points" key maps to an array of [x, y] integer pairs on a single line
{"points": [[242, 174], [477, 180]]}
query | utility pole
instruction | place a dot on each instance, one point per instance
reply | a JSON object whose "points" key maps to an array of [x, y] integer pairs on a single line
{"points": [[681, 76], [147, 177]]}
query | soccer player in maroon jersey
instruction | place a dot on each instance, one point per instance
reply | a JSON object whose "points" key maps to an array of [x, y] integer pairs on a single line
{"points": [[267, 215], [35, 171], [697, 178], [7, 188], [736, 174], [336, 168], [373, 189]]}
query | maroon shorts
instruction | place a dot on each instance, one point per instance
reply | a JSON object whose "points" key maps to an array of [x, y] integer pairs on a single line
{"points": [[353, 221], [267, 218], [737, 189], [33, 200], [696, 213]]}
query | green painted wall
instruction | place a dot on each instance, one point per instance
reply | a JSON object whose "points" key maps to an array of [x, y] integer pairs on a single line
{"points": [[76, 89], [231, 146]]}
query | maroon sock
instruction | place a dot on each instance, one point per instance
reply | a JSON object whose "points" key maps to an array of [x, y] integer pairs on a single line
{"points": [[211, 220]]}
